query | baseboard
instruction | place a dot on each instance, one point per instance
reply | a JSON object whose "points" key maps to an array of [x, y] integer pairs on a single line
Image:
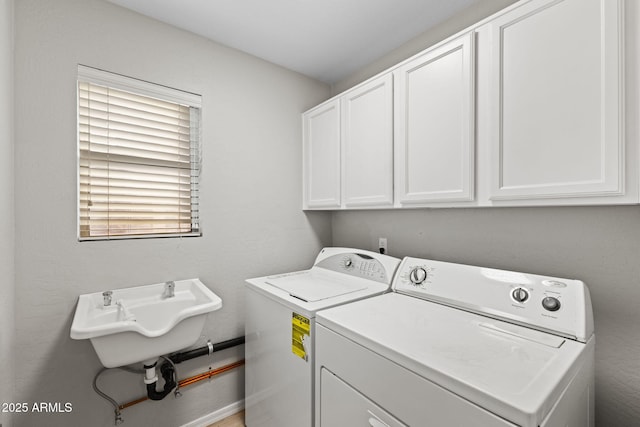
{"points": [[218, 415]]}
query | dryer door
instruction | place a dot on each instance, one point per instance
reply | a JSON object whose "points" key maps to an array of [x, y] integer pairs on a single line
{"points": [[342, 406]]}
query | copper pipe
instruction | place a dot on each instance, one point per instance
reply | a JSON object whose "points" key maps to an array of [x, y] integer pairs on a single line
{"points": [[206, 375], [191, 380], [133, 402]]}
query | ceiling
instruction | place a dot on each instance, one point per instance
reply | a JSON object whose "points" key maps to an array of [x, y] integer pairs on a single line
{"points": [[324, 39]]}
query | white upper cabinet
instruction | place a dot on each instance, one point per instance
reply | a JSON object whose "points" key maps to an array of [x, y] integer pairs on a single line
{"points": [[321, 156], [435, 125], [526, 108], [556, 101], [367, 144]]}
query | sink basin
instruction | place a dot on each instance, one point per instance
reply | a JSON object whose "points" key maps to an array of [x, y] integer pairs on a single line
{"points": [[143, 322]]}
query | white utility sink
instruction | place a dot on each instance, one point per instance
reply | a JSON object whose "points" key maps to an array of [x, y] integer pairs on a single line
{"points": [[144, 322]]}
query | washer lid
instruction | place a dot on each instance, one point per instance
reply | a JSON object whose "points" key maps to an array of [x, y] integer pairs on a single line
{"points": [[512, 371], [338, 276], [314, 286]]}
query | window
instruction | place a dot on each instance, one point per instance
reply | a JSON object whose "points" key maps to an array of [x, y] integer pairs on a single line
{"points": [[139, 158]]}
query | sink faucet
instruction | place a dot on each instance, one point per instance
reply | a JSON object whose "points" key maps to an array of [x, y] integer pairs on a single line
{"points": [[123, 311], [169, 289], [107, 297]]}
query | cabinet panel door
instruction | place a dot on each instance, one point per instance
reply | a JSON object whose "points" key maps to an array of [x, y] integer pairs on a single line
{"points": [[435, 126], [367, 143], [556, 112], [321, 152]]}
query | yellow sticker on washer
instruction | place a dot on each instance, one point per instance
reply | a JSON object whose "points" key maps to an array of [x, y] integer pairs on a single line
{"points": [[300, 332]]}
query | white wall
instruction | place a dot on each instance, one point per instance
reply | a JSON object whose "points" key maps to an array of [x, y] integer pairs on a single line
{"points": [[599, 245], [251, 208], [6, 207], [460, 21]]}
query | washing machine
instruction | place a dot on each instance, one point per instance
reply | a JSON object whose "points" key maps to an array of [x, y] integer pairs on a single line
{"points": [[280, 330], [458, 345]]}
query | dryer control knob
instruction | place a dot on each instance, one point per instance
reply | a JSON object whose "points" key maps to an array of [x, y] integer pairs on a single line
{"points": [[551, 304], [520, 294], [418, 275]]}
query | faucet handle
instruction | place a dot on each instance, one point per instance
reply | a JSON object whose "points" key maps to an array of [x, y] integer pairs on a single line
{"points": [[169, 289], [107, 297]]}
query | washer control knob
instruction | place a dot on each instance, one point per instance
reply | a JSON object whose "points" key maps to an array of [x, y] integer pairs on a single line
{"points": [[520, 294], [418, 275], [551, 304]]}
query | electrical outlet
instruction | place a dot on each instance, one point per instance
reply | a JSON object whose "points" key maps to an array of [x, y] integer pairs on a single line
{"points": [[382, 245]]}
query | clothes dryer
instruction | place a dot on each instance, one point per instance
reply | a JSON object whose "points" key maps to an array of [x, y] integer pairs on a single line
{"points": [[458, 345]]}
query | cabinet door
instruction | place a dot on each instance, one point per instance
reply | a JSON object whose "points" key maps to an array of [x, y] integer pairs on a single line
{"points": [[435, 126], [367, 144], [321, 156], [555, 100]]}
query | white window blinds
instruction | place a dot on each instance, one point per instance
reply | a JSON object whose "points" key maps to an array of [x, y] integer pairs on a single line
{"points": [[139, 158]]}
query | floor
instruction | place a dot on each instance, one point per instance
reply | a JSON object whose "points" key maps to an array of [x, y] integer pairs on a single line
{"points": [[235, 420]]}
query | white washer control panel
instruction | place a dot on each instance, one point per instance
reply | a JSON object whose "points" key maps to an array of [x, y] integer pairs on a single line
{"points": [[358, 263], [559, 306]]}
